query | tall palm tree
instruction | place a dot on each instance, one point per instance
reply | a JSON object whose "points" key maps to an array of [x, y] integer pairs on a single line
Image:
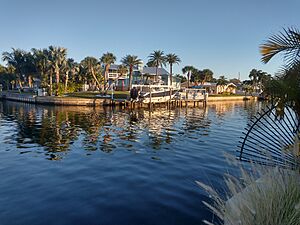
{"points": [[171, 60], [107, 59], [58, 58], [158, 59], [188, 70], [69, 68], [91, 66], [287, 42], [131, 61]]}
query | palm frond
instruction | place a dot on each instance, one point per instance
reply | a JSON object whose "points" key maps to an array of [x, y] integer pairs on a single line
{"points": [[287, 42]]}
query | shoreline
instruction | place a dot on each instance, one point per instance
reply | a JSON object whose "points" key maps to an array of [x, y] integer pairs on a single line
{"points": [[92, 102]]}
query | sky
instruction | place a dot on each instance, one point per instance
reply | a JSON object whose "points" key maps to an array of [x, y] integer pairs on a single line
{"points": [[222, 35]]}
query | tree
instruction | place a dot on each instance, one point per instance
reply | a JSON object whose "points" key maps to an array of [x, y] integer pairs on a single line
{"points": [[235, 81], [92, 67], [157, 59], [188, 70], [107, 59], [70, 67], [41, 61], [7, 76], [222, 80], [131, 61], [172, 59], [57, 58], [287, 42], [15, 59], [285, 88], [207, 75]]}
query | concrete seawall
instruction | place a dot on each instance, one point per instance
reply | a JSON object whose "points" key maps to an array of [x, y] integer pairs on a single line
{"points": [[54, 100]]}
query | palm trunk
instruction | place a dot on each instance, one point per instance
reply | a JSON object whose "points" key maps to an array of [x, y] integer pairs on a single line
{"points": [[57, 81], [50, 84], [95, 78], [106, 75], [156, 73], [66, 81], [171, 71], [188, 77], [30, 81], [130, 77]]}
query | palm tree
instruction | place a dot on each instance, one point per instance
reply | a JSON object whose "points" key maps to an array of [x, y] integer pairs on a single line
{"points": [[207, 75], [188, 70], [222, 80], [157, 59], [58, 58], [107, 59], [122, 70], [41, 61], [91, 66], [15, 59], [69, 68], [131, 61], [171, 60], [287, 42]]}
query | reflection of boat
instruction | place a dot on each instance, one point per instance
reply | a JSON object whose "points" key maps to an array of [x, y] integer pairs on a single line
{"points": [[154, 93]]}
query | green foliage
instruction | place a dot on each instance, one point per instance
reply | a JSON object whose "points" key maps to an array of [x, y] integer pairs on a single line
{"points": [[130, 61], [286, 87], [157, 58], [222, 80]]}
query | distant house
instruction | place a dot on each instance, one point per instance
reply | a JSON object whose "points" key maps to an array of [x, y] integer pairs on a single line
{"points": [[211, 88], [141, 75], [227, 88]]}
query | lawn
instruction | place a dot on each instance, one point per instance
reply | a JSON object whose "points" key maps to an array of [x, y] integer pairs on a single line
{"points": [[117, 94]]}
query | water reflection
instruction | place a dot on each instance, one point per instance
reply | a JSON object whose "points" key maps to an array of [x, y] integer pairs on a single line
{"points": [[55, 130]]}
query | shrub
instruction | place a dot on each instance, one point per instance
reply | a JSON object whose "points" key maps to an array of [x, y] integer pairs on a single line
{"points": [[273, 199]]}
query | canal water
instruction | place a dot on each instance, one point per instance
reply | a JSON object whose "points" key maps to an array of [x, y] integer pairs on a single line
{"points": [[79, 165]]}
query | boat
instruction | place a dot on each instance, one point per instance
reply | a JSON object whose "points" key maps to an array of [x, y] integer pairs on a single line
{"points": [[153, 93]]}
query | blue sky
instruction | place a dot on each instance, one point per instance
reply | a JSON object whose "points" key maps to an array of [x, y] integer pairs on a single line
{"points": [[222, 35]]}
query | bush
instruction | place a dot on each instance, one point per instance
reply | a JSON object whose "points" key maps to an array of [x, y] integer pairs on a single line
{"points": [[273, 199]]}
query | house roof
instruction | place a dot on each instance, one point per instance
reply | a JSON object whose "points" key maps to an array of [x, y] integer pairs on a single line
{"points": [[116, 67], [152, 71], [209, 84]]}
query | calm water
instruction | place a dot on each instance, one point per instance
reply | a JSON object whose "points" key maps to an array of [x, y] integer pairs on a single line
{"points": [[76, 165]]}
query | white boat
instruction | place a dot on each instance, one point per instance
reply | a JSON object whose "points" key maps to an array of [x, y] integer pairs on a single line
{"points": [[154, 93]]}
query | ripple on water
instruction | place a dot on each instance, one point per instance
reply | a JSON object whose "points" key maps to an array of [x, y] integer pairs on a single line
{"points": [[83, 165]]}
